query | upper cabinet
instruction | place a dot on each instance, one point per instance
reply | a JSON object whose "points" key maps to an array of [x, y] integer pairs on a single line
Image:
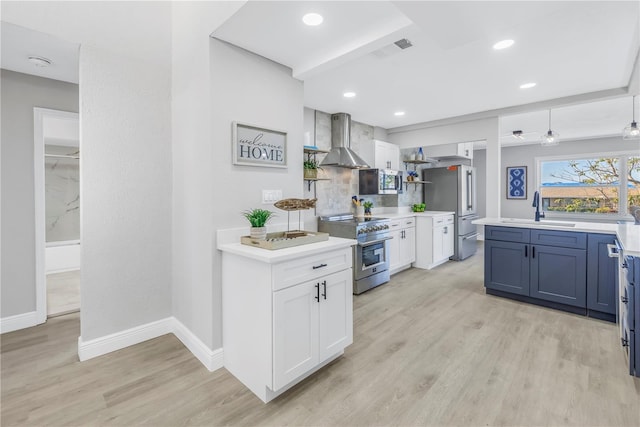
{"points": [[461, 150], [381, 155]]}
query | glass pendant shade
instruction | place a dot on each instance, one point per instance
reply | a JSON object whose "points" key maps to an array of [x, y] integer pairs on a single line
{"points": [[550, 138], [632, 131]]}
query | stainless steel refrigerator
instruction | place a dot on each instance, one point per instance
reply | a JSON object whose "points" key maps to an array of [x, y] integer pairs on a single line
{"points": [[453, 188]]}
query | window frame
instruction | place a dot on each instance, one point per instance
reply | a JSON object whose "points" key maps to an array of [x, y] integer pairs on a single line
{"points": [[623, 209]]}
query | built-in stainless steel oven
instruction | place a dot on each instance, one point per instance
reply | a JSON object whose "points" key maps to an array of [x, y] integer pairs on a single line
{"points": [[371, 254]]}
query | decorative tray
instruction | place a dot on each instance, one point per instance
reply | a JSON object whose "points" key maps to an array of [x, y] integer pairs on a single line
{"points": [[285, 239]]}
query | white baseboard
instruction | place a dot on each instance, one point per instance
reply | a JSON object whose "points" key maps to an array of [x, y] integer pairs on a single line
{"points": [[103, 345], [211, 359], [19, 321]]}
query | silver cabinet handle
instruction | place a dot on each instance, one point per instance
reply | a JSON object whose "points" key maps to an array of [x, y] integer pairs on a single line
{"points": [[612, 251]]}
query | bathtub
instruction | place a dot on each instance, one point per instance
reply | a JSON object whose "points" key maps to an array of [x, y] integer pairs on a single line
{"points": [[62, 256]]}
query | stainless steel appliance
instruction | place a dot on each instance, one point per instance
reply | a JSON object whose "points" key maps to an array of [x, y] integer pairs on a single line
{"points": [[341, 154], [380, 181], [453, 188], [371, 254]]}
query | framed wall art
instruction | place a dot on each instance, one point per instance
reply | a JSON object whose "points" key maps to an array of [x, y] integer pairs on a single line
{"points": [[517, 182], [256, 146]]}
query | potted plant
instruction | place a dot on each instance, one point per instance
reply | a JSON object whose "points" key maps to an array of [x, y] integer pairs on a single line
{"points": [[311, 167], [258, 219], [367, 207]]}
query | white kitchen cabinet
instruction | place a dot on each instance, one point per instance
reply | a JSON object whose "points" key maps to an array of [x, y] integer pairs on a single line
{"points": [[435, 240], [402, 248], [461, 150], [310, 324], [285, 319], [380, 154]]}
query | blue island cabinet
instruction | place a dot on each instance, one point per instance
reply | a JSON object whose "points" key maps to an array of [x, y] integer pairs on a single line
{"points": [[560, 269]]}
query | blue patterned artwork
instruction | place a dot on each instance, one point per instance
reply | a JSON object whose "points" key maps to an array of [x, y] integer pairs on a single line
{"points": [[517, 182]]}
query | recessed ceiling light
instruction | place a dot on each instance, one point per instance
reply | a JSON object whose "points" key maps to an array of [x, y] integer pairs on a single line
{"points": [[527, 85], [349, 94], [399, 113], [503, 44], [312, 19], [39, 61]]}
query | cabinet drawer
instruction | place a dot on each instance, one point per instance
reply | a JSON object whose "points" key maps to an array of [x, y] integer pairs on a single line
{"points": [[408, 222], [396, 224], [442, 220], [565, 239], [507, 234], [303, 269]]}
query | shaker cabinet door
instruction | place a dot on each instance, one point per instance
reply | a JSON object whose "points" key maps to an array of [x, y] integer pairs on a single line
{"points": [[559, 274], [506, 266], [601, 274], [336, 313], [295, 332]]}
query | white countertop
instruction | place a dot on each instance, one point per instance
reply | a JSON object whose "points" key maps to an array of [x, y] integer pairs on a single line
{"points": [[286, 254], [397, 215], [628, 234]]}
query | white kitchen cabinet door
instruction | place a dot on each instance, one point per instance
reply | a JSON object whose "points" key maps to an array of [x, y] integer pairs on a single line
{"points": [[408, 246], [447, 241], [394, 245], [387, 155], [438, 244], [336, 313], [295, 332]]}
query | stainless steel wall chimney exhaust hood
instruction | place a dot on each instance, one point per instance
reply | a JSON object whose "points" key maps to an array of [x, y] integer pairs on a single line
{"points": [[341, 154]]}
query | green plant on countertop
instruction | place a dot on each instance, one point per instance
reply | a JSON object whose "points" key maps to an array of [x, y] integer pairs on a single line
{"points": [[258, 217], [418, 207], [367, 204]]}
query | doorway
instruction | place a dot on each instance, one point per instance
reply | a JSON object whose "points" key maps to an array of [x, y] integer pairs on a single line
{"points": [[57, 208]]}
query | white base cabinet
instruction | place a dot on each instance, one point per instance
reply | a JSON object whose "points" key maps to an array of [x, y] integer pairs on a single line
{"points": [[283, 321], [435, 235], [402, 247]]}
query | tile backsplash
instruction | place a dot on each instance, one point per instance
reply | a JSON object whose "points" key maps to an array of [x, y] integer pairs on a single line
{"points": [[334, 194]]}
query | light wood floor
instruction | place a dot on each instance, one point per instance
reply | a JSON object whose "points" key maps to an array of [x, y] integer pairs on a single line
{"points": [[430, 348], [63, 293]]}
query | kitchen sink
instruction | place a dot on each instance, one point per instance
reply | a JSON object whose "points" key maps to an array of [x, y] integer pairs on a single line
{"points": [[519, 221]]}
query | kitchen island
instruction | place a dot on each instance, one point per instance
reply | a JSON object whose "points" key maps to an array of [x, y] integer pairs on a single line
{"points": [[569, 266]]}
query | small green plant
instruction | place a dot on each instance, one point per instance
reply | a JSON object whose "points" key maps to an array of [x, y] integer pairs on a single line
{"points": [[258, 217], [311, 164], [367, 204], [418, 207]]}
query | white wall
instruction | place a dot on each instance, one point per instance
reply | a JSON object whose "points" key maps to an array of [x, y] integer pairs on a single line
{"points": [[20, 93], [195, 181], [250, 89], [125, 141]]}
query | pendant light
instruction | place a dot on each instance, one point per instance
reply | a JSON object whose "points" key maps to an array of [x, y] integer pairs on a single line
{"points": [[632, 131], [550, 138]]}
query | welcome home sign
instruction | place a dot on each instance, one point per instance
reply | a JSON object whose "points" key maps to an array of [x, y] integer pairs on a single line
{"points": [[255, 146]]}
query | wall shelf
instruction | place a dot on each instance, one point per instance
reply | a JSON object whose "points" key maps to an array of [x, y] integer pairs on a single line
{"points": [[311, 155], [415, 183]]}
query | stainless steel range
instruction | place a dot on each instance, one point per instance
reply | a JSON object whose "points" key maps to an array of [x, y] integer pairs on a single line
{"points": [[371, 254]]}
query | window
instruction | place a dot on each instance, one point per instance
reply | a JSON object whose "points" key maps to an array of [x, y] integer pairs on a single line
{"points": [[604, 185]]}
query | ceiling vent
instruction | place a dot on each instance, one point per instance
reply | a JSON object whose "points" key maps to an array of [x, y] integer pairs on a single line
{"points": [[403, 44], [393, 48]]}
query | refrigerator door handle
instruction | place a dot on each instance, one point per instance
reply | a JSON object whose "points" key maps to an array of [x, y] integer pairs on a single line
{"points": [[470, 190]]}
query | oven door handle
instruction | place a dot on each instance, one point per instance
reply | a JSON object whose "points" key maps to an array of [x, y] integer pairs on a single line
{"points": [[373, 242], [473, 236]]}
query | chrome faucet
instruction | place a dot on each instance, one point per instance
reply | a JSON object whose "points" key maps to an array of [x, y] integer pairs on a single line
{"points": [[536, 204]]}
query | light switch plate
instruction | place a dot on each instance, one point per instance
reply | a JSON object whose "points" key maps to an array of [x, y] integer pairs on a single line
{"points": [[271, 196]]}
